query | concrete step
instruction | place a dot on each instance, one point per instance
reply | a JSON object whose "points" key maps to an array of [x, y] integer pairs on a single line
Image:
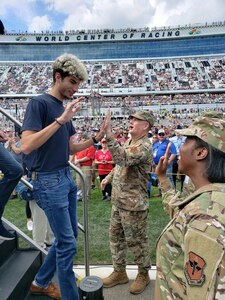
{"points": [[6, 249], [17, 273]]}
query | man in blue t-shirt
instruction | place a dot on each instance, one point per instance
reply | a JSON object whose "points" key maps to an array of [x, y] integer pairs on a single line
{"points": [[47, 132], [159, 150]]}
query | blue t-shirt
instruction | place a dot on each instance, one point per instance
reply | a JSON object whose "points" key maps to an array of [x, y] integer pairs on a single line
{"points": [[159, 149], [54, 153]]}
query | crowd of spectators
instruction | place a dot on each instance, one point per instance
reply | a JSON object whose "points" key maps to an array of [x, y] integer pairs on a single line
{"points": [[147, 75], [167, 120], [151, 75], [184, 107], [122, 102]]}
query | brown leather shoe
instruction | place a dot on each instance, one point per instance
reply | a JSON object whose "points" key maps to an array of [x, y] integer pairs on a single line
{"points": [[52, 290]]}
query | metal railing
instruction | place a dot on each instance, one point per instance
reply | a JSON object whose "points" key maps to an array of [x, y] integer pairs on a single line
{"points": [[83, 228]]}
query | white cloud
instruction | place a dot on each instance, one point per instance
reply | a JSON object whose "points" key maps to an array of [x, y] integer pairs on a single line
{"points": [[12, 7], [66, 7], [94, 14], [39, 24], [19, 14], [182, 12], [110, 14], [134, 13]]}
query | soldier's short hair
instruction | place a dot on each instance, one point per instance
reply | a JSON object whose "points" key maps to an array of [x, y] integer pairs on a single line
{"points": [[70, 65]]}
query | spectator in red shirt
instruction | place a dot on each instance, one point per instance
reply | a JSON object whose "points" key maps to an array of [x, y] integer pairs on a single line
{"points": [[104, 162], [83, 160], [122, 137]]}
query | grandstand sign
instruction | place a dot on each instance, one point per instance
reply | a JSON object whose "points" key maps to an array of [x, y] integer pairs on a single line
{"points": [[110, 35]]}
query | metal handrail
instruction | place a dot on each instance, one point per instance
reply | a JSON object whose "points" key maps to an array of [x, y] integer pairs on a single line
{"points": [[83, 228]]}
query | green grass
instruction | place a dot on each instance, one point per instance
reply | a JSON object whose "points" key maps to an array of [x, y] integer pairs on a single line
{"points": [[98, 220]]}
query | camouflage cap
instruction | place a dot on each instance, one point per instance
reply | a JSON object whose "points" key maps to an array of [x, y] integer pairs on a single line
{"points": [[144, 115], [210, 128]]}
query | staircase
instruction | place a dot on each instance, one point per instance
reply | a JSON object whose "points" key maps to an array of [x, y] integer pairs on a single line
{"points": [[20, 260]]}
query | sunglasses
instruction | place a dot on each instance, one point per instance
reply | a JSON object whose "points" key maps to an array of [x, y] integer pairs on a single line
{"points": [[161, 134]]}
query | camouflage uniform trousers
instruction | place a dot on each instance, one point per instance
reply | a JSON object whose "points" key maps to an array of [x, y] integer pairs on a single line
{"points": [[128, 229]]}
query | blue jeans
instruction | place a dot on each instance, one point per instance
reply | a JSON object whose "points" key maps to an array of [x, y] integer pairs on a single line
{"points": [[12, 171], [55, 192]]}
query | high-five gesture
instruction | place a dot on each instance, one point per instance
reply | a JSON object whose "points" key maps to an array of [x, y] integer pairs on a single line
{"points": [[105, 127], [107, 123], [71, 109]]}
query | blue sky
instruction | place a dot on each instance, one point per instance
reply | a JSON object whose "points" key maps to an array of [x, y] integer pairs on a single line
{"points": [[54, 15]]}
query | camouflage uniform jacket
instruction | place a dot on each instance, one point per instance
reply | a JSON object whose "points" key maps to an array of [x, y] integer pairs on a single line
{"points": [[190, 250], [130, 176]]}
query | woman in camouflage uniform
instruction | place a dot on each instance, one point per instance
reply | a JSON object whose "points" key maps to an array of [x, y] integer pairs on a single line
{"points": [[190, 250]]}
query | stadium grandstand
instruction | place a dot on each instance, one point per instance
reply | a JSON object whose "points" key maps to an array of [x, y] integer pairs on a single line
{"points": [[179, 69]]}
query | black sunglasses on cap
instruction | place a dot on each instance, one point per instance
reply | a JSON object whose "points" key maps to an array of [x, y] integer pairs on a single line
{"points": [[161, 134]]}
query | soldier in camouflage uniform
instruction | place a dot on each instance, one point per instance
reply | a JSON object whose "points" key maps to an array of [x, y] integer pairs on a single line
{"points": [[190, 250], [129, 178]]}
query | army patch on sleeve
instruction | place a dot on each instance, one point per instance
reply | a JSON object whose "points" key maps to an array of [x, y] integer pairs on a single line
{"points": [[194, 270], [133, 149]]}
